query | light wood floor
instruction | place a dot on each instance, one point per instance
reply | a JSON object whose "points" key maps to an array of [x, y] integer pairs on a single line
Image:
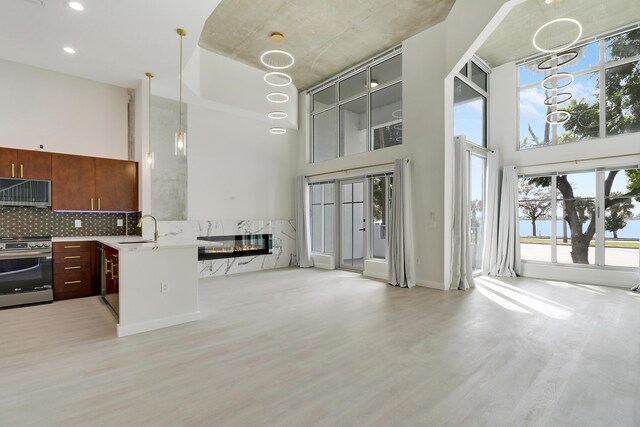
{"points": [[329, 348]]}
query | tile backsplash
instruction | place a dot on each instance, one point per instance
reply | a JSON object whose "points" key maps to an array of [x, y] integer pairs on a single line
{"points": [[29, 221]]}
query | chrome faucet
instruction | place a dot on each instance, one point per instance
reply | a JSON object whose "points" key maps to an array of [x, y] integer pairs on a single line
{"points": [[156, 235]]}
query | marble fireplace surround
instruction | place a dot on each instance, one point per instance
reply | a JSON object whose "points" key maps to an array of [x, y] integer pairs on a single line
{"points": [[284, 243]]}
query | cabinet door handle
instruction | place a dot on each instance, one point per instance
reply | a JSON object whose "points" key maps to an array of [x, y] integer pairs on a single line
{"points": [[13, 170], [73, 282], [75, 267], [98, 203], [21, 171], [92, 203], [72, 246], [72, 257]]}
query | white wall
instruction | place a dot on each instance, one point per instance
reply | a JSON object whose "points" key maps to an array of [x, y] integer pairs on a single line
{"points": [[65, 114], [237, 169]]}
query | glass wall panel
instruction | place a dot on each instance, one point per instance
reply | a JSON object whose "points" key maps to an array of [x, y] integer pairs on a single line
{"points": [[324, 99], [622, 46], [478, 76], [476, 209], [325, 136], [469, 113], [353, 86], [622, 219], [322, 220], [386, 116], [353, 126], [623, 98], [584, 107], [386, 71], [535, 218]]}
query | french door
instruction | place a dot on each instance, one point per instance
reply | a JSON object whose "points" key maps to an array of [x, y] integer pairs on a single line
{"points": [[353, 236]]}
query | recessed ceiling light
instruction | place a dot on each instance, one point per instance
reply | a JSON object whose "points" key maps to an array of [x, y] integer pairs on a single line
{"points": [[76, 6], [69, 50]]}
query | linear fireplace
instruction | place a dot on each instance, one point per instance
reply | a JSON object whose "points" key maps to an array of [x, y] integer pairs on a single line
{"points": [[216, 247]]}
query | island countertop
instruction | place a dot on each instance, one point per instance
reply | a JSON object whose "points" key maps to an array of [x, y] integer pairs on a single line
{"points": [[136, 243]]}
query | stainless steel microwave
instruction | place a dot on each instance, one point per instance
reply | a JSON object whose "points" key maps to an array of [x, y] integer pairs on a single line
{"points": [[25, 192]]}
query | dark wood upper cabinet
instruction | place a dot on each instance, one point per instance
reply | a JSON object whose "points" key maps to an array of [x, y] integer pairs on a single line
{"points": [[116, 185], [73, 183], [8, 162], [33, 165]]}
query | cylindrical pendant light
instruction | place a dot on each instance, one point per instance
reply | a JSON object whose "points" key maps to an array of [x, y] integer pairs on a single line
{"points": [[150, 155], [181, 135]]}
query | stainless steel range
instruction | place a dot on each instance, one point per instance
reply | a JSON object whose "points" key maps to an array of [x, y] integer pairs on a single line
{"points": [[26, 270]]}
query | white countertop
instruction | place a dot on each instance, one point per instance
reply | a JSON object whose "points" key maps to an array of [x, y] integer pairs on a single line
{"points": [[116, 242]]}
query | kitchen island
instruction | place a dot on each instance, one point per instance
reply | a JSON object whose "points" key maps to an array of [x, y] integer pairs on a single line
{"points": [[153, 284]]}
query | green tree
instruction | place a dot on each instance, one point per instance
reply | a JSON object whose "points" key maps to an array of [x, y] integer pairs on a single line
{"points": [[535, 202], [616, 217]]}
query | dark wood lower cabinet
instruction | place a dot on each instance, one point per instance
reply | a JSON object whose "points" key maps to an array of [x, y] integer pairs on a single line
{"points": [[74, 270]]}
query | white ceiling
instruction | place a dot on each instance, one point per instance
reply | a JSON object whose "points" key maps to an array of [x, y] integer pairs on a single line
{"points": [[116, 41]]}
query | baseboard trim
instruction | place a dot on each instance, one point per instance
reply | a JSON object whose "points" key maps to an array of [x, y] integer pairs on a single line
{"points": [[152, 325], [375, 275], [430, 284]]}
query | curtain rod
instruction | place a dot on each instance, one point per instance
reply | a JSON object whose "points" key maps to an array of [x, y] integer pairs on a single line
{"points": [[579, 161], [351, 169]]}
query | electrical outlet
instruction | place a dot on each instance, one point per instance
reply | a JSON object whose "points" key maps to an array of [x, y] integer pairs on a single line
{"points": [[164, 287], [119, 223], [78, 223]]}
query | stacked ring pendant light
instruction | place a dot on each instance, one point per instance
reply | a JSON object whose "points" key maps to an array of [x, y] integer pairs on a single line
{"points": [[277, 60], [555, 80]]}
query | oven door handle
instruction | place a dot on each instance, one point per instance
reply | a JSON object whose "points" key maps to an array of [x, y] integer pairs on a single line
{"points": [[23, 255]]}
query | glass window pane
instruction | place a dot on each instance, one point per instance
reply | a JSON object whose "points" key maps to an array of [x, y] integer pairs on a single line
{"points": [[623, 98], [316, 193], [379, 216], [622, 219], [328, 193], [358, 234], [328, 229], [535, 218], [347, 190], [386, 116], [325, 136], [477, 185], [584, 108], [316, 228], [353, 126], [358, 191], [386, 71], [534, 130], [469, 113], [347, 233], [324, 99], [528, 74], [478, 76], [463, 70], [588, 56], [622, 46], [353, 86]]}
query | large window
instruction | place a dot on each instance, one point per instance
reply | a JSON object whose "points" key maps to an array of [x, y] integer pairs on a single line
{"points": [[381, 188], [359, 112], [586, 217], [596, 110], [470, 104], [322, 217]]}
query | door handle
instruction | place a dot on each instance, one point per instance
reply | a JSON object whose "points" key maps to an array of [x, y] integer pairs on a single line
{"points": [[98, 203], [363, 229], [21, 171], [13, 170]]}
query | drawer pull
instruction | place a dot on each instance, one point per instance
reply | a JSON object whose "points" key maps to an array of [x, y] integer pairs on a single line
{"points": [[73, 282], [72, 247], [75, 267], [72, 257]]}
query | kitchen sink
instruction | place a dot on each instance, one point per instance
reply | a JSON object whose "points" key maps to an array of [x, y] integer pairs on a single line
{"points": [[135, 242]]}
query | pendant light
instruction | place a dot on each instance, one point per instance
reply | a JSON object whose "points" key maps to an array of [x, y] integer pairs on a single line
{"points": [[278, 60], [150, 156], [181, 135]]}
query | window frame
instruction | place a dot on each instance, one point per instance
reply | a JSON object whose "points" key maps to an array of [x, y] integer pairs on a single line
{"points": [[366, 66], [601, 68], [484, 93], [599, 199]]}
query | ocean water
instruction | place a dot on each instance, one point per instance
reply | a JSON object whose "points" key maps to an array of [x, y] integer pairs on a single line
{"points": [[543, 228]]}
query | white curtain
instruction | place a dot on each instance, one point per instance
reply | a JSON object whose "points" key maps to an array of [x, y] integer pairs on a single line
{"points": [[303, 223], [400, 236], [491, 214], [461, 268], [508, 255]]}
